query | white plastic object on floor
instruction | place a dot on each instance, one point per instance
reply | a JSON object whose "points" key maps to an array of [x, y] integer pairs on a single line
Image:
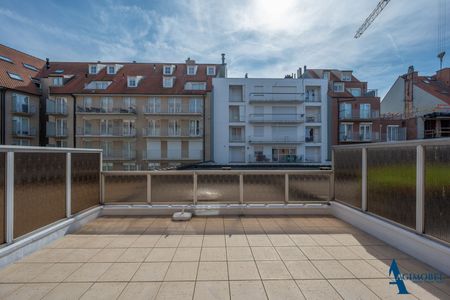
{"points": [[182, 216]]}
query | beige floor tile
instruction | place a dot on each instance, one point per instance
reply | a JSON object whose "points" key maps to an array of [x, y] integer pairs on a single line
{"points": [[31, 291], [187, 254], [214, 241], [282, 290], [363, 251], [332, 269], [352, 289], [213, 254], [216, 270], [302, 240], [88, 272], [23, 272], [8, 288], [119, 272], [382, 265], [242, 270], [47, 255], [281, 240], [423, 290], [176, 290], [211, 290], [68, 291], [341, 252], [167, 241], [140, 291], [104, 290], [122, 241], [191, 241], [258, 240], [265, 253], [154, 271], [161, 254], [317, 290], [316, 253], [146, 241], [346, 239], [290, 253], [236, 240], [362, 269], [245, 290], [134, 255], [272, 270], [324, 240], [181, 271], [107, 255], [303, 269], [80, 255], [57, 272], [384, 290], [239, 253]]}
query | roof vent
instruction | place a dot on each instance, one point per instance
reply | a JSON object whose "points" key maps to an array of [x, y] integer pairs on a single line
{"points": [[223, 58], [47, 63]]}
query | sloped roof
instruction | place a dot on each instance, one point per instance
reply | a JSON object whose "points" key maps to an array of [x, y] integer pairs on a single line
{"points": [[16, 66], [434, 87]]}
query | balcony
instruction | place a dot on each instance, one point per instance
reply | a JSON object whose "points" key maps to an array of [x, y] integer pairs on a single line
{"points": [[56, 132], [255, 233], [176, 155], [23, 109], [276, 98], [275, 140], [363, 115], [276, 118], [153, 111], [56, 109], [313, 118], [237, 139], [111, 111], [119, 155], [113, 132], [359, 138], [279, 159], [168, 133], [21, 132]]}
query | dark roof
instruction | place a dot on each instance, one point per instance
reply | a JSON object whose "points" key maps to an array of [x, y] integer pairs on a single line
{"points": [[16, 66], [434, 87], [77, 77]]}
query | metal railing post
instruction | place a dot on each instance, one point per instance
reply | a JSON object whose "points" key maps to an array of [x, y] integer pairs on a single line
{"points": [[364, 179], [286, 188], [149, 188], [420, 188], [68, 185], [195, 188], [331, 184], [102, 180], [9, 224], [241, 188]]}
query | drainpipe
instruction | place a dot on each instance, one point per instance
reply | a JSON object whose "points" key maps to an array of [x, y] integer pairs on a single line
{"points": [[74, 123], [3, 115], [204, 127]]}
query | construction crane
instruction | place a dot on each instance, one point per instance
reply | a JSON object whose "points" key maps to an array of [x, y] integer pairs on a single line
{"points": [[381, 5]]}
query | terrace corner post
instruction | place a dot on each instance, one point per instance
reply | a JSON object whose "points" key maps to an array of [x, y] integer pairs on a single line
{"points": [[68, 185], [286, 188], [364, 179], [420, 188], [149, 188], [9, 197]]}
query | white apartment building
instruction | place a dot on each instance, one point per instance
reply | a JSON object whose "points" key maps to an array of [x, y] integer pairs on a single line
{"points": [[262, 120]]}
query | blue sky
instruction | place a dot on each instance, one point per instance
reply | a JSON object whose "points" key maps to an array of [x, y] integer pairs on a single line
{"points": [[265, 38]]}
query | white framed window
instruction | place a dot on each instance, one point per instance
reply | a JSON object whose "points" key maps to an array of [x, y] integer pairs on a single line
{"points": [[106, 104], [106, 127], [356, 92], [132, 81], [57, 81], [87, 103], [168, 82], [174, 128], [87, 128], [346, 76], [392, 133], [194, 128], [154, 105], [30, 67], [236, 134], [107, 166], [168, 69], [129, 104], [15, 76], [128, 127], [20, 103], [364, 111], [345, 110], [92, 69], [154, 127], [191, 70], [61, 127], [175, 105], [98, 85], [61, 105], [365, 132], [21, 125], [338, 87], [111, 70], [195, 105], [211, 70], [195, 86], [346, 132]]}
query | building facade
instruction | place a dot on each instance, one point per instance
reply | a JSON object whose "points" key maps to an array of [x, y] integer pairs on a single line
{"points": [[261, 120], [19, 97], [143, 115]]}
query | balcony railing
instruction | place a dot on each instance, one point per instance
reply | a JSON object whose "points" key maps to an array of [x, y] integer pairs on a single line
{"points": [[371, 93], [276, 118], [313, 139], [359, 115], [275, 97], [53, 131], [312, 118], [167, 132], [279, 159], [237, 139], [114, 132], [236, 118], [101, 110], [196, 155], [152, 111], [119, 155], [276, 140], [23, 109], [18, 131], [52, 108], [358, 137]]}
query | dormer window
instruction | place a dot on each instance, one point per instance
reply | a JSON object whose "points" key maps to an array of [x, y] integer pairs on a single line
{"points": [[338, 87], [98, 85], [346, 76], [92, 69], [211, 70], [168, 69], [191, 70], [195, 86], [111, 70], [168, 82], [132, 81], [57, 81], [15, 76]]}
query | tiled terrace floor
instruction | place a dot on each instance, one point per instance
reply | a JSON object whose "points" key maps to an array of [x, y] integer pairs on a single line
{"points": [[215, 258]]}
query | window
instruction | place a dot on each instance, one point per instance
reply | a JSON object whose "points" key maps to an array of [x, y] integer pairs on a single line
{"points": [[98, 85], [195, 105], [236, 134], [365, 132], [57, 81], [174, 105], [168, 70], [61, 105], [107, 148], [106, 127], [167, 82], [15, 76], [87, 129], [191, 70], [194, 128], [106, 104], [345, 132], [132, 81], [130, 166], [154, 128], [154, 105], [111, 70], [338, 87], [7, 59], [107, 166], [346, 76], [174, 128], [154, 166], [129, 104], [356, 92], [128, 128], [61, 127], [364, 111], [92, 69], [326, 75], [87, 103], [21, 103], [211, 70], [258, 131], [21, 142], [392, 133], [59, 71], [345, 110], [30, 67], [61, 143], [21, 126], [195, 86]]}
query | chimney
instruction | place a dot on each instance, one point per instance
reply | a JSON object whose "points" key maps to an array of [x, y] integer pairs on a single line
{"points": [[154, 67], [410, 69], [246, 75], [190, 61], [223, 58], [47, 63], [299, 72], [304, 69]]}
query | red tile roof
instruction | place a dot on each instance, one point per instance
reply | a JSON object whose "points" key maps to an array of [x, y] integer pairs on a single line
{"points": [[151, 83], [17, 67], [434, 87]]}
